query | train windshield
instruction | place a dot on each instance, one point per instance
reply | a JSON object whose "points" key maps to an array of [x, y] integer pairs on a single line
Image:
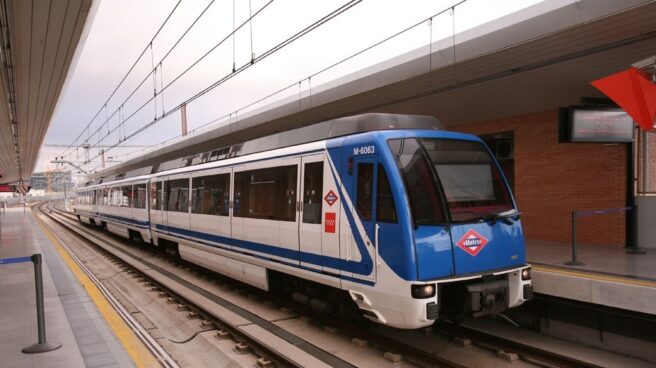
{"points": [[469, 179]]}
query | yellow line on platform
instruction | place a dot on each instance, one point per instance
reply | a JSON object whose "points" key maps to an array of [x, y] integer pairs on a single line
{"points": [[594, 276], [139, 354]]}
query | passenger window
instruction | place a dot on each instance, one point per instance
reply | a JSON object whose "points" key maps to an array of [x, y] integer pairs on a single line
{"points": [[312, 191], [365, 190], [140, 190], [210, 195], [160, 199], [126, 196], [178, 195], [385, 210], [266, 193]]}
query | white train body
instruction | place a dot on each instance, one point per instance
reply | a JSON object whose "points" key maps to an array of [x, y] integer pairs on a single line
{"points": [[295, 211]]}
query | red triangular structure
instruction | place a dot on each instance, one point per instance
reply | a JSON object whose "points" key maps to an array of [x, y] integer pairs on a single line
{"points": [[634, 93]]}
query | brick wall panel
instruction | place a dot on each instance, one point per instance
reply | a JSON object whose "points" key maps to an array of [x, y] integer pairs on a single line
{"points": [[553, 179]]}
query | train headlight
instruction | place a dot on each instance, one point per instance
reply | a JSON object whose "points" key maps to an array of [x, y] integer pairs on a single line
{"points": [[423, 291], [526, 274]]}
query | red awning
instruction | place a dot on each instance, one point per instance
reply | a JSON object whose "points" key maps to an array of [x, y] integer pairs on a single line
{"points": [[634, 92]]}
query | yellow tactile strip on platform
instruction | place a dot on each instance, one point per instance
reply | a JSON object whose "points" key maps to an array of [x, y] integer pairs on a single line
{"points": [[593, 276], [139, 354]]}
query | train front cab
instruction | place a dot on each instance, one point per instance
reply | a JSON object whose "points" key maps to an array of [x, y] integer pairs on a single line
{"points": [[448, 235]]}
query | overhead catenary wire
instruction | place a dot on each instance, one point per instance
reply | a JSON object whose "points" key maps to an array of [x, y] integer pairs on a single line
{"points": [[430, 20], [309, 78], [125, 76], [229, 76], [145, 79]]}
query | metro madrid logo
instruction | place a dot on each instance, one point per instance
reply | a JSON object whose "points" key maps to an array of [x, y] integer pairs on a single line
{"points": [[472, 242]]}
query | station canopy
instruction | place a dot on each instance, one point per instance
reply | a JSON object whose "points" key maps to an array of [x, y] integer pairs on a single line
{"points": [[537, 59]]}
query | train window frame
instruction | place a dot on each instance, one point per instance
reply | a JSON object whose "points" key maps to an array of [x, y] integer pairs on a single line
{"points": [[359, 194], [312, 196], [219, 206], [399, 147], [283, 181], [126, 191], [139, 202], [382, 178], [181, 201]]}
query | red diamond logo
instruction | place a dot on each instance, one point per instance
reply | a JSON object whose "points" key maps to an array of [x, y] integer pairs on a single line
{"points": [[331, 198], [472, 242]]}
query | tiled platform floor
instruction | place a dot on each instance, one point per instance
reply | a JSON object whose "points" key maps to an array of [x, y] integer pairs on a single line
{"points": [[71, 317]]}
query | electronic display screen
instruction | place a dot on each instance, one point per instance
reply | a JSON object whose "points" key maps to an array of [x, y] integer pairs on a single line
{"points": [[608, 126]]}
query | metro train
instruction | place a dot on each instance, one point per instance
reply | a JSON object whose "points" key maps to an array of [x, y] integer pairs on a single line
{"points": [[383, 215]]}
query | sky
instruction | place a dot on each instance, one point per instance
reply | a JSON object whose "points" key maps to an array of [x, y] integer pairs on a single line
{"points": [[120, 30]]}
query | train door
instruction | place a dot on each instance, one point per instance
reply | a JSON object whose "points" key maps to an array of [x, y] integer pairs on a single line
{"points": [[177, 206], [236, 219], [310, 231], [289, 204], [157, 214], [363, 242], [210, 203]]}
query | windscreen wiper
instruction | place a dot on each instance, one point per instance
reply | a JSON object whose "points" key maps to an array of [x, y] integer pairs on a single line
{"points": [[507, 217]]}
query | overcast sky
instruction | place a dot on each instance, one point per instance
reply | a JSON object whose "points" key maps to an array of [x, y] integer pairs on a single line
{"points": [[121, 29]]}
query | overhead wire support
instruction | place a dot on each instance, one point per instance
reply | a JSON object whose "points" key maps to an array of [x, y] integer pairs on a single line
{"points": [[225, 39], [145, 79], [250, 16], [266, 54], [126, 74], [449, 9]]}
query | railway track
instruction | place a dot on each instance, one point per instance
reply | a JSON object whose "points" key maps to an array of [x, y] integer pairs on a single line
{"points": [[272, 344]]}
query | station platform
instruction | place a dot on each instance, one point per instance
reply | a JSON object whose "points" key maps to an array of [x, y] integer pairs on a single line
{"points": [[71, 316], [609, 276]]}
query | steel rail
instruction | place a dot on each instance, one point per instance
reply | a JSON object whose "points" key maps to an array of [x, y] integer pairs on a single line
{"points": [[507, 345], [259, 347], [149, 342]]}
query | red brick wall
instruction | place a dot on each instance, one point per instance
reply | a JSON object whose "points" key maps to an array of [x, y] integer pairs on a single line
{"points": [[553, 179]]}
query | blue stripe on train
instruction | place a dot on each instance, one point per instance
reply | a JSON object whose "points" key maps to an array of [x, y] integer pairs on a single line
{"points": [[291, 254], [343, 277], [205, 238], [126, 220]]}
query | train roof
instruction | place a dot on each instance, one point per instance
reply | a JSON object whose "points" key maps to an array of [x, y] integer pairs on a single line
{"points": [[246, 141]]}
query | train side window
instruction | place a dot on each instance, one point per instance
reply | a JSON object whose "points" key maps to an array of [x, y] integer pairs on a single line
{"points": [[178, 195], [209, 193], [365, 190], [312, 190], [266, 193], [140, 190], [160, 202], [126, 196], [260, 190], [385, 210], [115, 195], [169, 202], [238, 190], [287, 193]]}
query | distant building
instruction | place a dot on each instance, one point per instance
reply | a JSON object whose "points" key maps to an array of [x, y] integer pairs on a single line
{"points": [[53, 181]]}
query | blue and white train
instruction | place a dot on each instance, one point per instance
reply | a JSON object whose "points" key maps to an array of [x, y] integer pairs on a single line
{"points": [[386, 215]]}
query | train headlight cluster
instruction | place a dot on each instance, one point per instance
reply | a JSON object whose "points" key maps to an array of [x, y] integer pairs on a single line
{"points": [[423, 291], [526, 274]]}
